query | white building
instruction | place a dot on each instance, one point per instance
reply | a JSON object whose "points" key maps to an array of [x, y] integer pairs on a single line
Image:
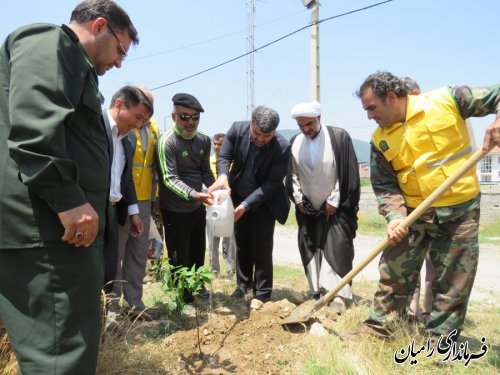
{"points": [[489, 170]]}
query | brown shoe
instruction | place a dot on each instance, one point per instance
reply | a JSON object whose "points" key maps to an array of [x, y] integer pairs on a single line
{"points": [[374, 328]]}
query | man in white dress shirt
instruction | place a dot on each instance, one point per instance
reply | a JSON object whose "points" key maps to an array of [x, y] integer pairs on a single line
{"points": [[323, 183], [130, 108]]}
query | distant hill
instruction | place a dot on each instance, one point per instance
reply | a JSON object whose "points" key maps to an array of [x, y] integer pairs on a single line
{"points": [[361, 148]]}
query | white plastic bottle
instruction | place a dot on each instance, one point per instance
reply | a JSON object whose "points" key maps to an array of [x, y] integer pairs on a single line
{"points": [[220, 215]]}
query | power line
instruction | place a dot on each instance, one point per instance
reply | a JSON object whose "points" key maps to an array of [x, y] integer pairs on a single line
{"points": [[270, 43], [207, 40]]}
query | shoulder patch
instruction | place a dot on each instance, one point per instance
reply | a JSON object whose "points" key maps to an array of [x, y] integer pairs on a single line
{"points": [[383, 146]]}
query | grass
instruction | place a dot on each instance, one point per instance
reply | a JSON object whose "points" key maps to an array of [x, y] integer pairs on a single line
{"points": [[365, 181], [343, 351], [370, 223], [366, 355], [489, 232]]}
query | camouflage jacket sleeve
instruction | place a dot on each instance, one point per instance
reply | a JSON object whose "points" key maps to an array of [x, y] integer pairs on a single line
{"points": [[477, 101], [386, 187]]}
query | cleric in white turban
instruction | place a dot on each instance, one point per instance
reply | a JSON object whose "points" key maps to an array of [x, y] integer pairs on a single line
{"points": [[323, 182], [306, 109]]}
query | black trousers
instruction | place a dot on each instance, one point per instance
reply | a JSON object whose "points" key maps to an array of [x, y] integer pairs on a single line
{"points": [[50, 304], [185, 237], [254, 233]]}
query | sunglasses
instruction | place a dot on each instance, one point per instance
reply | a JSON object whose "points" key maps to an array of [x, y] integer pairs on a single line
{"points": [[186, 117], [121, 49]]}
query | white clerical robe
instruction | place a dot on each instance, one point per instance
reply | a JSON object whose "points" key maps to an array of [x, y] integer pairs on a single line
{"points": [[314, 175]]}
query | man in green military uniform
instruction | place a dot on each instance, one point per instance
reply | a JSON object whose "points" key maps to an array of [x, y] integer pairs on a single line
{"points": [[54, 181], [419, 141]]}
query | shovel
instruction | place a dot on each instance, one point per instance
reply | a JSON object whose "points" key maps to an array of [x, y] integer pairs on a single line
{"points": [[302, 313]]}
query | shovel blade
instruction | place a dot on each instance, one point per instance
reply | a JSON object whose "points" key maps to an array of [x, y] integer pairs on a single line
{"points": [[304, 312]]}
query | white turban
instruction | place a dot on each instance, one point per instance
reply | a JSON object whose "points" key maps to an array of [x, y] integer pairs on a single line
{"points": [[306, 109]]}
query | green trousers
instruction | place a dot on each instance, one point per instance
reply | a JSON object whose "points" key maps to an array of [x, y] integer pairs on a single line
{"points": [[454, 251], [50, 304]]}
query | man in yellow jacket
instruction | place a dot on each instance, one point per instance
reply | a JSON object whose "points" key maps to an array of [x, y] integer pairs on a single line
{"points": [[132, 251], [420, 141]]}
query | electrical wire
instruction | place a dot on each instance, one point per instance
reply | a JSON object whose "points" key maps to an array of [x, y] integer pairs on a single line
{"points": [[270, 43], [208, 40]]}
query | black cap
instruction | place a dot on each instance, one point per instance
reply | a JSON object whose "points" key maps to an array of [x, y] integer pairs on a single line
{"points": [[187, 100]]}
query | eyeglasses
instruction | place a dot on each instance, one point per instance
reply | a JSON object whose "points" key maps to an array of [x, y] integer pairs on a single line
{"points": [[121, 50], [186, 117]]}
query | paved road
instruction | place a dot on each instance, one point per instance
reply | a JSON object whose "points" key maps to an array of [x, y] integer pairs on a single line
{"points": [[487, 283]]}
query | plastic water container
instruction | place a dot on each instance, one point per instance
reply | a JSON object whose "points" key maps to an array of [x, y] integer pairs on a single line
{"points": [[220, 215]]}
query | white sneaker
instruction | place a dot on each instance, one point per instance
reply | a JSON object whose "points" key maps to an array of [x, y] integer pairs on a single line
{"points": [[338, 305], [256, 304]]}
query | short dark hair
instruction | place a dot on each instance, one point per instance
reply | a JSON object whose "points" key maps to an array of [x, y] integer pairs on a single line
{"points": [[382, 83], [266, 119], [89, 10], [132, 97], [218, 135]]}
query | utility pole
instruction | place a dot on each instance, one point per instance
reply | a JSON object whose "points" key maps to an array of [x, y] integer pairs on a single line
{"points": [[250, 57], [313, 5]]}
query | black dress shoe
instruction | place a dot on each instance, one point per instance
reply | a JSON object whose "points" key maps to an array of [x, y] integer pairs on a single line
{"points": [[238, 293], [139, 315]]}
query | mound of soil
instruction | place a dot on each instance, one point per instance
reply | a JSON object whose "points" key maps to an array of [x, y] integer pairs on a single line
{"points": [[234, 339]]}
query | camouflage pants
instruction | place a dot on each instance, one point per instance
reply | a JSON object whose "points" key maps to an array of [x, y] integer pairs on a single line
{"points": [[454, 250]]}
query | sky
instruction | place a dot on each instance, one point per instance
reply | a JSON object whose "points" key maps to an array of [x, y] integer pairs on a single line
{"points": [[437, 43]]}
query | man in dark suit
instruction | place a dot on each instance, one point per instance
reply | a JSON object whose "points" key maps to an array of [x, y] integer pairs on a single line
{"points": [[130, 108], [54, 180], [259, 157]]}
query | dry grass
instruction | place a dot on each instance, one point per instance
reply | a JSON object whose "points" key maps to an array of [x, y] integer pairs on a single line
{"points": [[349, 352], [132, 350]]}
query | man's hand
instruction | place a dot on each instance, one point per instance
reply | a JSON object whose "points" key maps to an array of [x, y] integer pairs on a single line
{"points": [[221, 183], [81, 225], [136, 225], [492, 136], [206, 198], [300, 207], [238, 212], [329, 211], [395, 232]]}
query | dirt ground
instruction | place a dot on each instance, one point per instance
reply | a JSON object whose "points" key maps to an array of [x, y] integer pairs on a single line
{"points": [[231, 338], [237, 340]]}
